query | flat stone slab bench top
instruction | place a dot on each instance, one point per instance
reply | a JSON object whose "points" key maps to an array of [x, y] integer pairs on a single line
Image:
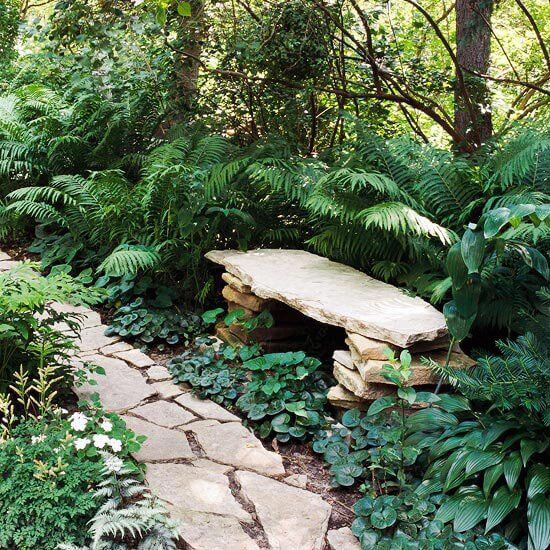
{"points": [[335, 294]]}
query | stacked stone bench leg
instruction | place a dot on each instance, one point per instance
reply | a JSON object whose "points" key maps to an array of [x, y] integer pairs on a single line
{"points": [[359, 369]]}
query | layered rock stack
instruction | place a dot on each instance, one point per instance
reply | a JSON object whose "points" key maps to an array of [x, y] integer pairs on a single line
{"points": [[359, 369], [289, 328], [374, 315]]}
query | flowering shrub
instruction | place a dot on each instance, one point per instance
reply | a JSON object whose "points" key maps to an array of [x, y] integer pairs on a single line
{"points": [[50, 468]]}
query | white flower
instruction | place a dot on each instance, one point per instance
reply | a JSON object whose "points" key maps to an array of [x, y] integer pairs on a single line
{"points": [[107, 425], [100, 440], [81, 443], [113, 464], [79, 421], [63, 411], [115, 444], [37, 438]]}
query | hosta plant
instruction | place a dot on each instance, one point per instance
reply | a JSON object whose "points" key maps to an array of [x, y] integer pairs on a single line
{"points": [[492, 467]]}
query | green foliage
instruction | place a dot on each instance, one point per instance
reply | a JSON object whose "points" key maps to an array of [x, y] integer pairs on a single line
{"points": [[212, 373], [488, 248], [128, 517], [406, 521], [45, 496], [279, 393], [373, 447], [491, 466], [287, 393], [30, 322], [141, 321]]}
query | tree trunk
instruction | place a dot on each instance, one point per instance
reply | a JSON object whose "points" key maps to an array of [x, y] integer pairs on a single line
{"points": [[473, 48], [192, 35]]}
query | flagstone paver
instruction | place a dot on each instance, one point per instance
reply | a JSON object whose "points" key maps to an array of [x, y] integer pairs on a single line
{"points": [[164, 413], [205, 408], [191, 489], [111, 349], [167, 389], [93, 338], [292, 518], [158, 373], [120, 389], [193, 450], [232, 443], [342, 539], [161, 443], [136, 358]]}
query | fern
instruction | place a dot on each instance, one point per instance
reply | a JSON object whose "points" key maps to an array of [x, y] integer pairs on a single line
{"points": [[129, 260]]}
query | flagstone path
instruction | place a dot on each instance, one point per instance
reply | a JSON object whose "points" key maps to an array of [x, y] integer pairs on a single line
{"points": [[224, 488]]}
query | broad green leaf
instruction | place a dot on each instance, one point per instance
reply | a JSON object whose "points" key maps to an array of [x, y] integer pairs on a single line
{"points": [[351, 418], [381, 404], [453, 403], [456, 267], [495, 220], [209, 317], [184, 9], [512, 469], [459, 326], [407, 393], [449, 508], [481, 460], [538, 519], [472, 247], [490, 477], [428, 419], [466, 297], [502, 503], [471, 511], [528, 447], [539, 480]]}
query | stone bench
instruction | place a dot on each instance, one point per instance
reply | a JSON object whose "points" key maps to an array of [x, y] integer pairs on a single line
{"points": [[374, 314]]}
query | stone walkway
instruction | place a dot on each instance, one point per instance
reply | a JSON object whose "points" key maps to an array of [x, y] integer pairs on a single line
{"points": [[226, 490]]}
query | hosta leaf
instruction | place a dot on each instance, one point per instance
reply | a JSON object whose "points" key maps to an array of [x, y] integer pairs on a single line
{"points": [[456, 267], [512, 468], [495, 431], [428, 487], [481, 460], [458, 325], [453, 403], [490, 477], [539, 480], [472, 247], [502, 503], [538, 518], [429, 419], [471, 511], [495, 220], [449, 508], [528, 447]]}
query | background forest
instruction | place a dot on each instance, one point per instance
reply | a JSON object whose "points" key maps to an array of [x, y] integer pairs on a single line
{"points": [[409, 139]]}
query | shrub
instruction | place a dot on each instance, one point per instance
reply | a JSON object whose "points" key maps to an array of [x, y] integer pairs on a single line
{"points": [[30, 325], [45, 494]]}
